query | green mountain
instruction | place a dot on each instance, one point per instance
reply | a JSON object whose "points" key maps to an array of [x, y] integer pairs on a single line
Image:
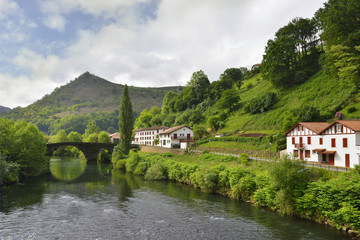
{"points": [[4, 109], [89, 93], [86, 98]]}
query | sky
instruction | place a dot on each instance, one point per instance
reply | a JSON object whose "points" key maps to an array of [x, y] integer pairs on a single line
{"points": [[146, 43]]}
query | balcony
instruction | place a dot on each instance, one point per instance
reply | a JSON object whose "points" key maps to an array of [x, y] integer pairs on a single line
{"points": [[181, 138], [299, 145]]}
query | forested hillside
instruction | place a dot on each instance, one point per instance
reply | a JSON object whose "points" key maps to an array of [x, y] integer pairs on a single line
{"points": [[4, 109], [309, 72], [88, 97]]}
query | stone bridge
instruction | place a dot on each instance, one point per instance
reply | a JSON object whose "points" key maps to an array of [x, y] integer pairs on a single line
{"points": [[91, 150]]}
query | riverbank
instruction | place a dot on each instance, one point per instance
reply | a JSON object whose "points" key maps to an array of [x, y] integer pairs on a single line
{"points": [[285, 186]]}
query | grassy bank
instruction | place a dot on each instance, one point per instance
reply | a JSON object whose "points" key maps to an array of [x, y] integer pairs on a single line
{"points": [[284, 185]]}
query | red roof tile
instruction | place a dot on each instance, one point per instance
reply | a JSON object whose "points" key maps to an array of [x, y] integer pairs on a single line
{"points": [[151, 128], [173, 129], [316, 127]]}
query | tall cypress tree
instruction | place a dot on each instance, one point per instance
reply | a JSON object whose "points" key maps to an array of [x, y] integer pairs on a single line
{"points": [[126, 121]]}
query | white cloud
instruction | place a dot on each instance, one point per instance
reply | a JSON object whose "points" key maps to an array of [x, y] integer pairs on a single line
{"points": [[7, 8], [22, 90], [185, 36], [55, 11], [41, 68]]}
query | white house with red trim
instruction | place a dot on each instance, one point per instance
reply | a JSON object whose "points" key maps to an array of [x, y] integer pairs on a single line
{"points": [[146, 136], [176, 137], [335, 144]]}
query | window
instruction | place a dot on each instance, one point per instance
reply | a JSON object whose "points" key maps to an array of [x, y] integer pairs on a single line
{"points": [[296, 153], [345, 142], [293, 140], [307, 153], [309, 140], [320, 141], [333, 142]]}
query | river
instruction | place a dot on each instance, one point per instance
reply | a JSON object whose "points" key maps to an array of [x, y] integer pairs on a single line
{"points": [[79, 201]]}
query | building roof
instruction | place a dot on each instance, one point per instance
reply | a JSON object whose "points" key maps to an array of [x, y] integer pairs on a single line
{"points": [[115, 135], [173, 129], [151, 128], [317, 127], [352, 124]]}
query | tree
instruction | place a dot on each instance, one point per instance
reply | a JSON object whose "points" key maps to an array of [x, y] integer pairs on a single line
{"points": [[28, 149], [235, 74], [74, 137], [126, 121], [343, 62], [230, 99], [200, 85], [291, 58], [200, 132], [103, 137], [91, 128], [143, 121], [168, 102], [214, 122], [339, 20]]}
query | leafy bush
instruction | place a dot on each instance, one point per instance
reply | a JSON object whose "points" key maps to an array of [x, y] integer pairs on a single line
{"points": [[244, 188], [120, 164], [236, 174], [141, 168], [175, 171], [9, 171], [132, 161], [352, 109], [156, 171], [261, 104], [244, 159], [205, 179], [265, 196]]}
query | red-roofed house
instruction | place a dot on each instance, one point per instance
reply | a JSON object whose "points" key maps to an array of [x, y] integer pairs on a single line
{"points": [[336, 144], [176, 137]]}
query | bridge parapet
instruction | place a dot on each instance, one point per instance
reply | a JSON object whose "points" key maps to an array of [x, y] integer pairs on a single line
{"points": [[91, 150]]}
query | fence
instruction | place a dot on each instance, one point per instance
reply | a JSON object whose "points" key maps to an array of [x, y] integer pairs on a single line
{"points": [[315, 165]]}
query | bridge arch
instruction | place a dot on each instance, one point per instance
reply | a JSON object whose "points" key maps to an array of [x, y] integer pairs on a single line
{"points": [[90, 150]]}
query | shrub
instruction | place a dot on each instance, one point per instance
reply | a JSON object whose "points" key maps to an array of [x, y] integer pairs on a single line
{"points": [[352, 109], [261, 104], [283, 201], [174, 172], [132, 161], [156, 171], [244, 188], [236, 174], [167, 155], [141, 168], [244, 159], [120, 164], [265, 196], [223, 178], [205, 179]]}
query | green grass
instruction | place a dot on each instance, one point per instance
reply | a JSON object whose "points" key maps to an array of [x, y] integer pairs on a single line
{"points": [[321, 91]]}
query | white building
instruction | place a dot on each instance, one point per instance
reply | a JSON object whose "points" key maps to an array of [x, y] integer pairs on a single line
{"points": [[176, 137], [335, 144], [115, 137], [146, 136]]}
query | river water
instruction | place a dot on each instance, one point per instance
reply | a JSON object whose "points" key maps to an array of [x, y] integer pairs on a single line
{"points": [[92, 202]]}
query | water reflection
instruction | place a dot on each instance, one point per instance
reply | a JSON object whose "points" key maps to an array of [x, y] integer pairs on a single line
{"points": [[66, 168], [94, 202]]}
